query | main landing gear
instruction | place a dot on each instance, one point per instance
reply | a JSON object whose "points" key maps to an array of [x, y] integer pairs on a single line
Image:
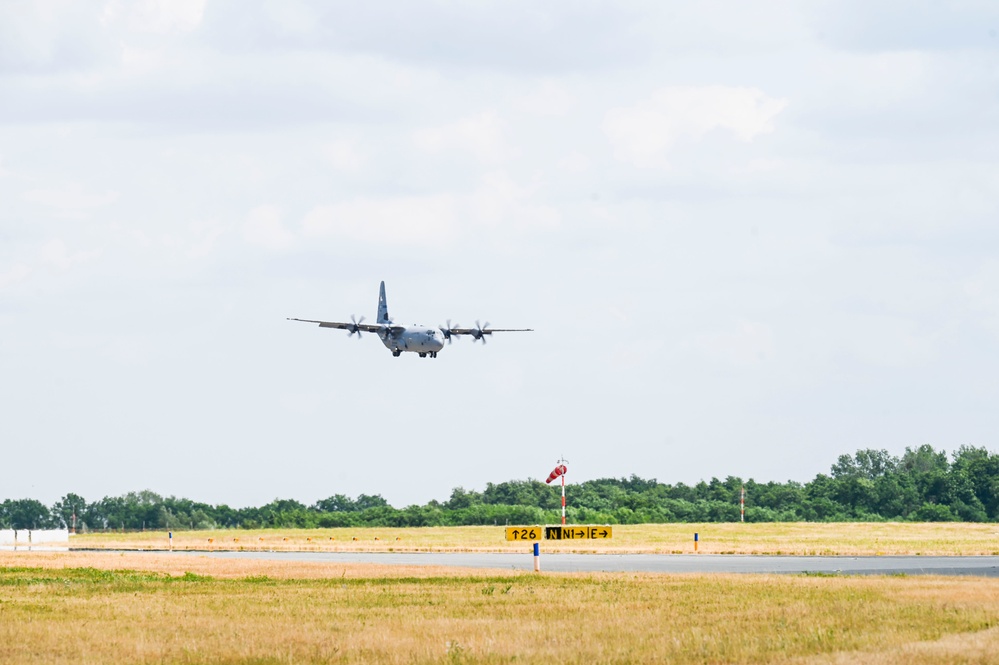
{"points": [[423, 354]]}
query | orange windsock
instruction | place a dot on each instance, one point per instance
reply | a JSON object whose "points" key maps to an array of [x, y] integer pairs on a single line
{"points": [[559, 470]]}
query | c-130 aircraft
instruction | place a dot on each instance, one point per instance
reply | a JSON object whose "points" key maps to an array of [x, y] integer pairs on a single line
{"points": [[415, 338]]}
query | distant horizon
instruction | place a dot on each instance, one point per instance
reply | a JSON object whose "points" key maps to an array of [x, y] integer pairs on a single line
{"points": [[555, 484]]}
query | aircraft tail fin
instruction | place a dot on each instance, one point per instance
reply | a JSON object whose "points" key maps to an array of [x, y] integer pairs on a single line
{"points": [[383, 316]]}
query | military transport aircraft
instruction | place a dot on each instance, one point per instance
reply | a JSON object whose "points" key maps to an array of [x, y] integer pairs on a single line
{"points": [[416, 339]]}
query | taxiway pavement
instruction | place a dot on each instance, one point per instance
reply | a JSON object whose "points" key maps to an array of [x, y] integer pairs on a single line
{"points": [[982, 566]]}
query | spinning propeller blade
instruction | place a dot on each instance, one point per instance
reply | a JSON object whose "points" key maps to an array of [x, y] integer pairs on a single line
{"points": [[479, 335], [354, 329], [447, 331]]}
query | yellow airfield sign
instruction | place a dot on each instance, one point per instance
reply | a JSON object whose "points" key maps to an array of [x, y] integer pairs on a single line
{"points": [[577, 532], [523, 533]]}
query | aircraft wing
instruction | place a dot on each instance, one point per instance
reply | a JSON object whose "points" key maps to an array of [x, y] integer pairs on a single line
{"points": [[379, 328], [486, 331], [366, 327]]}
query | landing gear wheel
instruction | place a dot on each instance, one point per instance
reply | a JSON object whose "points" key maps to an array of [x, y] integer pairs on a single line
{"points": [[396, 353], [423, 355]]}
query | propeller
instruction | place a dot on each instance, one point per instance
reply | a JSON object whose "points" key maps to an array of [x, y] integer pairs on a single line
{"points": [[447, 331], [478, 333], [355, 327]]}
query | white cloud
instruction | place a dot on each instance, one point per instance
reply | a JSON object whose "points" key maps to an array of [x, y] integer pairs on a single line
{"points": [[16, 273], [48, 36], [138, 60], [56, 254], [550, 99], [71, 200], [484, 136], [291, 17], [344, 155], [499, 201], [207, 235], [156, 16], [426, 221], [263, 228], [643, 134], [574, 162], [497, 205]]}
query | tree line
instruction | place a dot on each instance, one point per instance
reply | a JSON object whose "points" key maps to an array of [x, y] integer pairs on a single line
{"points": [[923, 485]]}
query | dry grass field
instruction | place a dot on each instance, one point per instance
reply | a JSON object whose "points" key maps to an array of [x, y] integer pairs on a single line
{"points": [[854, 539], [97, 607]]}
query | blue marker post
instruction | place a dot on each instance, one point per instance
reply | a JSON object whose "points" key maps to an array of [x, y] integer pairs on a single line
{"points": [[170, 538], [537, 557], [695, 542]]}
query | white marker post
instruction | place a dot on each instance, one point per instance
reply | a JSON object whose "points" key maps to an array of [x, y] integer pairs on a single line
{"points": [[537, 557], [170, 539]]}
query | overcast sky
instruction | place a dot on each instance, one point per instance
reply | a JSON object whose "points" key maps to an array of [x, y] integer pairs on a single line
{"points": [[750, 236]]}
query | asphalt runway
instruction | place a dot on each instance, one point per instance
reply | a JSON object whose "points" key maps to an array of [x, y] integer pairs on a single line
{"points": [[980, 566]]}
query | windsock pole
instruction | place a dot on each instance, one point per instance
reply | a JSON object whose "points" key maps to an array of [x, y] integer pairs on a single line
{"points": [[559, 471], [742, 504], [563, 499]]}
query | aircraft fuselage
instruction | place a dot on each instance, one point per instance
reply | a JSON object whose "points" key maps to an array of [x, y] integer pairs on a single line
{"points": [[414, 339]]}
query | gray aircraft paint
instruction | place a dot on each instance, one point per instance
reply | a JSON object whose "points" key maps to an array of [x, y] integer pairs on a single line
{"points": [[383, 315], [414, 339]]}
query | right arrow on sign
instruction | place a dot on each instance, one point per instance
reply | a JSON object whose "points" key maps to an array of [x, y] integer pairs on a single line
{"points": [[577, 532]]}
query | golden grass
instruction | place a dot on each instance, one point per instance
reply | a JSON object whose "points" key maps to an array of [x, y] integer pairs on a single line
{"points": [[965, 648], [105, 607], [174, 564], [851, 538]]}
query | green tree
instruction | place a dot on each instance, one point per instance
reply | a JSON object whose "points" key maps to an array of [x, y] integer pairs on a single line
{"points": [[460, 498], [364, 501], [338, 503], [867, 463], [64, 509], [25, 514]]}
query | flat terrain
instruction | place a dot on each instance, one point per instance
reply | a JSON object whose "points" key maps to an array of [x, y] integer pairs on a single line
{"points": [[981, 566], [170, 608], [797, 538]]}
